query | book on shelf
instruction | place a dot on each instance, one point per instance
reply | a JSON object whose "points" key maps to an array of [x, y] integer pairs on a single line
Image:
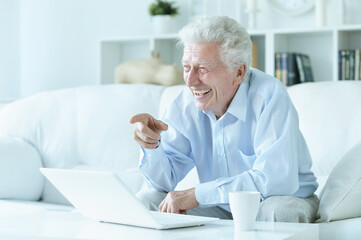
{"points": [[284, 70], [305, 67], [293, 68], [278, 66], [349, 64], [254, 62], [357, 64]]}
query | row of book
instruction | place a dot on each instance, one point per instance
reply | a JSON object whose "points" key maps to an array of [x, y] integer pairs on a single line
{"points": [[292, 68], [349, 64]]}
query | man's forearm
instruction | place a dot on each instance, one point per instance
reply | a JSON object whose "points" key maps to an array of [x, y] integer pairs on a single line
{"points": [[157, 171]]}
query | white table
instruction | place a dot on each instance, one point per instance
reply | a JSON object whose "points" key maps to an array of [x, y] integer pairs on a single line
{"points": [[35, 220]]}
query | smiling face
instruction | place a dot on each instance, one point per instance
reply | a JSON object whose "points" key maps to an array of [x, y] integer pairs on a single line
{"points": [[213, 88]]}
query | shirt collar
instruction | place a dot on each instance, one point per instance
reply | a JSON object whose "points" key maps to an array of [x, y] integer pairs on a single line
{"points": [[238, 106], [209, 113]]}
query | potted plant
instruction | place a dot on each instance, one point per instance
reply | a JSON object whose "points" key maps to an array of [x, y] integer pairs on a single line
{"points": [[162, 13]]}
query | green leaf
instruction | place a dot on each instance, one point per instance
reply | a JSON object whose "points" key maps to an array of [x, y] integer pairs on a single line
{"points": [[163, 7]]}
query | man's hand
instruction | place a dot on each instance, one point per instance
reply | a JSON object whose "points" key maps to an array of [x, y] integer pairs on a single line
{"points": [[179, 201], [147, 130]]}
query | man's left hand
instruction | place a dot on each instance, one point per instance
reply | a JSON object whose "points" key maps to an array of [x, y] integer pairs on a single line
{"points": [[179, 201]]}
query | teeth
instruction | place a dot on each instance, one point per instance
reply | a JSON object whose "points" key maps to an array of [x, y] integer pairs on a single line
{"points": [[201, 92]]}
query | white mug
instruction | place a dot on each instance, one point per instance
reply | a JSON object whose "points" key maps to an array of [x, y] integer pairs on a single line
{"points": [[244, 207]]}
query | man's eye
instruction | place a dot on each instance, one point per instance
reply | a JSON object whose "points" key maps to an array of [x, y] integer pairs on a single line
{"points": [[186, 68], [203, 70]]}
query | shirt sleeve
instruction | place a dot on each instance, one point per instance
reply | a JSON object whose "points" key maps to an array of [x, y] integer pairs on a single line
{"points": [[275, 169], [168, 164]]}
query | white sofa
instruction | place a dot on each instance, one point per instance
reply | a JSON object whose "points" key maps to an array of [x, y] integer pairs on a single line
{"points": [[88, 128]]}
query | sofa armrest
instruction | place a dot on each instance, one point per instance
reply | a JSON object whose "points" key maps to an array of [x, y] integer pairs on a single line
{"points": [[20, 177]]}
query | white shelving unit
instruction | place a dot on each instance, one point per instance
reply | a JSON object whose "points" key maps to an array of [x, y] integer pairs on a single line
{"points": [[321, 44], [117, 50]]}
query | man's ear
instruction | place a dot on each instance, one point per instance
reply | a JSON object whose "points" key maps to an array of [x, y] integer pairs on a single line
{"points": [[241, 72]]}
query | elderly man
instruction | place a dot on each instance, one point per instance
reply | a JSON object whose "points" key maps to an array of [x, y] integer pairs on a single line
{"points": [[236, 125]]}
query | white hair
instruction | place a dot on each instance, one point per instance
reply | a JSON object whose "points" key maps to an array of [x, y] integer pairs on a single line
{"points": [[235, 46]]}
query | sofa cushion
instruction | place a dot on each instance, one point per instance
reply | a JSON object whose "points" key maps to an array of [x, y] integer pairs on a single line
{"points": [[329, 115], [340, 198], [20, 177], [82, 126], [168, 96]]}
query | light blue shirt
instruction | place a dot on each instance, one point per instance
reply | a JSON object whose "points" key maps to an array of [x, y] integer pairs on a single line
{"points": [[255, 146]]}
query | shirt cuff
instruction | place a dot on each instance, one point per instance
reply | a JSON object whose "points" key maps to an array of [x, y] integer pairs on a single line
{"points": [[206, 194], [156, 153]]}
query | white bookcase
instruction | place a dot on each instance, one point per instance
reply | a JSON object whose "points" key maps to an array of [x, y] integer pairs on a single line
{"points": [[321, 44], [117, 50]]}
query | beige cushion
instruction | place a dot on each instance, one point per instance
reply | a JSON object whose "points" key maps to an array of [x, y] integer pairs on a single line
{"points": [[340, 198]]}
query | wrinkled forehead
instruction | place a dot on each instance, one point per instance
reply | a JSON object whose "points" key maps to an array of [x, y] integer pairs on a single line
{"points": [[201, 53]]}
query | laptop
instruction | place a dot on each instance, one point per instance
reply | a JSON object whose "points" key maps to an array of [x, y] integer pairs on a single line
{"points": [[104, 197]]}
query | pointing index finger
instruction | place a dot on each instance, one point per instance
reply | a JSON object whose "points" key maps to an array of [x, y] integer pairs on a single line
{"points": [[139, 118]]}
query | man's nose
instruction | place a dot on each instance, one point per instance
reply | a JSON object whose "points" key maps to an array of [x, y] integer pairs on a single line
{"points": [[191, 77]]}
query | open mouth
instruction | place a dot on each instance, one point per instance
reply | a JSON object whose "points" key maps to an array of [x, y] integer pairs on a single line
{"points": [[200, 93]]}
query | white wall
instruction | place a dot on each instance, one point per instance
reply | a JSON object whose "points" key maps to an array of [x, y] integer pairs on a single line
{"points": [[59, 39], [9, 49]]}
